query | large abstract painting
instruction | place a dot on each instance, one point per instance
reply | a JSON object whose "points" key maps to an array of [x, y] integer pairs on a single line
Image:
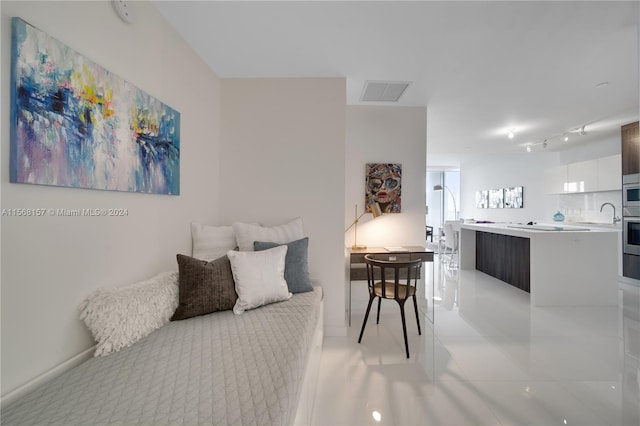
{"points": [[384, 186], [75, 124]]}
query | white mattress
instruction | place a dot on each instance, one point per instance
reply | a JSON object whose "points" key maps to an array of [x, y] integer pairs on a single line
{"points": [[218, 369]]}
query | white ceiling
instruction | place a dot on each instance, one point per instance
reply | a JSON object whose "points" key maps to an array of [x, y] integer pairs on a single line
{"points": [[479, 67]]}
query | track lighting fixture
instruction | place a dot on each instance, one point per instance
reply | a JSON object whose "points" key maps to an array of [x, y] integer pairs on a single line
{"points": [[564, 136]]}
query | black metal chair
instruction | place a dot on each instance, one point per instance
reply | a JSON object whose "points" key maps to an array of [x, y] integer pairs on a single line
{"points": [[400, 282], [429, 233]]}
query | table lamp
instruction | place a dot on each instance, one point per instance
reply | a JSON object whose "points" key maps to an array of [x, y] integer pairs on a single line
{"points": [[375, 210]]}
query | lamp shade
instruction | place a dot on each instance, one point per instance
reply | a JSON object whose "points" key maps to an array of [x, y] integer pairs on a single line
{"points": [[375, 210]]}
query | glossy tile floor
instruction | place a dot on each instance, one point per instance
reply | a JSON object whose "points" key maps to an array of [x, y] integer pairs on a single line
{"points": [[488, 359]]}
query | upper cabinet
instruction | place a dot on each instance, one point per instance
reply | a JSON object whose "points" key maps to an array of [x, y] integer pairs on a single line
{"points": [[601, 174], [609, 173], [630, 149], [582, 176]]}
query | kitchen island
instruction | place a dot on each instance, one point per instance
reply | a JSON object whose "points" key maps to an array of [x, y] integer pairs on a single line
{"points": [[558, 265]]}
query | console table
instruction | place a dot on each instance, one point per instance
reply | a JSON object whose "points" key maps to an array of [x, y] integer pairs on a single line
{"points": [[358, 270]]}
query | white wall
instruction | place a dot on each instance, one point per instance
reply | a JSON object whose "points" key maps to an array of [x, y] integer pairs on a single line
{"points": [[380, 134], [283, 145], [603, 147], [49, 264], [521, 169]]}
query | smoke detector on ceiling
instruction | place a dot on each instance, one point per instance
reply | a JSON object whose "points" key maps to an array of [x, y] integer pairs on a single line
{"points": [[124, 9], [383, 91]]}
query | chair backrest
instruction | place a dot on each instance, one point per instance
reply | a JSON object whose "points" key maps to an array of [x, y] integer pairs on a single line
{"points": [[397, 273], [450, 236], [455, 224]]}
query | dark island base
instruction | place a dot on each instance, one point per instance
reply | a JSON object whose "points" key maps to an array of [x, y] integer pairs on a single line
{"points": [[504, 257]]}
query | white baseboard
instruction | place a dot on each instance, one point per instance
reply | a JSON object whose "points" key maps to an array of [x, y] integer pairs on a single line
{"points": [[335, 330], [46, 376], [629, 281]]}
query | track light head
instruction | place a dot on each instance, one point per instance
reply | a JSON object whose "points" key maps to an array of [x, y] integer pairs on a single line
{"points": [[564, 136]]}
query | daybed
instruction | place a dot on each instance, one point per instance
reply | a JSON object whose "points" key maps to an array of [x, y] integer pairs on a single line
{"points": [[219, 369], [223, 368]]}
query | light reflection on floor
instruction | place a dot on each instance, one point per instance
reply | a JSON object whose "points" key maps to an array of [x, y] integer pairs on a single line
{"points": [[489, 358]]}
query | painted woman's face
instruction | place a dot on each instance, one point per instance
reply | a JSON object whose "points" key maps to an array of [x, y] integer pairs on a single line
{"points": [[384, 188]]}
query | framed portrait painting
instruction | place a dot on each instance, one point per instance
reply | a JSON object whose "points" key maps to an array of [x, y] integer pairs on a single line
{"points": [[384, 186]]}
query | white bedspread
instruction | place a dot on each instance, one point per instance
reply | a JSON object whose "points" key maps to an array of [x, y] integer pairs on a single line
{"points": [[218, 369]]}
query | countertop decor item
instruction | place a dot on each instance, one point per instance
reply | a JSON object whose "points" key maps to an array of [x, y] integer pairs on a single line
{"points": [[558, 217]]}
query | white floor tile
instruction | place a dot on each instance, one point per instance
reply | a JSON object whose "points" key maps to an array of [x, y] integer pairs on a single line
{"points": [[536, 403], [489, 358]]}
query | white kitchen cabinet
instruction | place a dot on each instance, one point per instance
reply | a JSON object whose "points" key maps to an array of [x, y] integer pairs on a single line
{"points": [[600, 174], [582, 176], [609, 173], [555, 179]]}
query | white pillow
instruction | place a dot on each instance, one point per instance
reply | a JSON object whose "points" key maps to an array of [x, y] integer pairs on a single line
{"points": [[211, 242], [247, 233], [120, 316], [258, 277]]}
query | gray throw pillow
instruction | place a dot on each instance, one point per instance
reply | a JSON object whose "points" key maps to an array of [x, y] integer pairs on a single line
{"points": [[204, 287], [296, 265]]}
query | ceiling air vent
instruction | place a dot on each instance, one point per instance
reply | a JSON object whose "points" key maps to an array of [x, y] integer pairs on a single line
{"points": [[383, 91]]}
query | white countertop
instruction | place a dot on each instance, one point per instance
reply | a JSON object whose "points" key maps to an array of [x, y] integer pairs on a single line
{"points": [[612, 226], [528, 231]]}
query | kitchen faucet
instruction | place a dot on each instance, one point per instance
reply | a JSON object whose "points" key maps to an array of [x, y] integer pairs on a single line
{"points": [[615, 219]]}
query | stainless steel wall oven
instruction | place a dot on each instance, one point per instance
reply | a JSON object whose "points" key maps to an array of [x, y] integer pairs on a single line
{"points": [[631, 232], [631, 228], [631, 195]]}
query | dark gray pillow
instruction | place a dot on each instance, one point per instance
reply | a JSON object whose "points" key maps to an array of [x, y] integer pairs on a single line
{"points": [[204, 287], [296, 265]]}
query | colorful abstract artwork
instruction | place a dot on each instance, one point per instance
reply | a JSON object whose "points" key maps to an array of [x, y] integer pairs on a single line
{"points": [[75, 124], [384, 186]]}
